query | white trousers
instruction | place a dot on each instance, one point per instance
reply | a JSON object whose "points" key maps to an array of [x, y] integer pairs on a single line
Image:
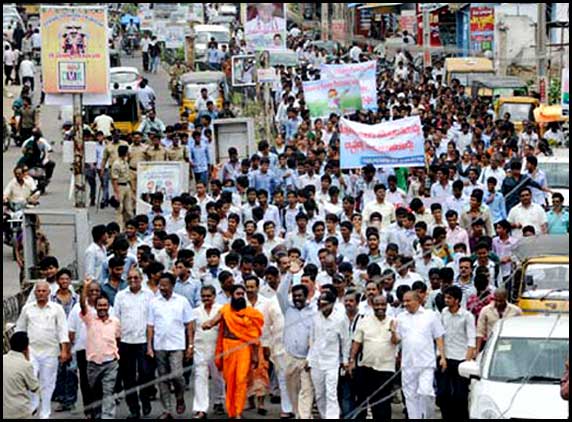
{"points": [[285, 403], [419, 392], [46, 369], [326, 390], [203, 367]]}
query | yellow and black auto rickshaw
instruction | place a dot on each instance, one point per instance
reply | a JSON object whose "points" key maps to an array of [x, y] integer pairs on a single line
{"points": [[124, 111]]}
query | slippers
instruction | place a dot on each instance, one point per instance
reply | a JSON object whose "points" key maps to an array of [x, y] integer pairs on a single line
{"points": [[181, 407], [262, 412]]}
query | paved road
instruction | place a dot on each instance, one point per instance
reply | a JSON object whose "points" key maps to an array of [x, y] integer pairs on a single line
{"points": [[57, 196]]}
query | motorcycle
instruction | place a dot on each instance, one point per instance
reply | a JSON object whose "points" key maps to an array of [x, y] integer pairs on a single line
{"points": [[13, 222], [39, 175], [129, 44]]}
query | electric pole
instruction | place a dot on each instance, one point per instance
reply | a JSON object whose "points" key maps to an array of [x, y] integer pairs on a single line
{"points": [[325, 21], [541, 53], [426, 37], [79, 154]]}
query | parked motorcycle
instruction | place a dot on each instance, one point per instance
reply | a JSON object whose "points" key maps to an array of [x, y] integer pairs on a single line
{"points": [[13, 223]]}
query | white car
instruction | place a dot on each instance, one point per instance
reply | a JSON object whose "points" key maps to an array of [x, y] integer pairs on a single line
{"points": [[557, 170], [518, 374], [125, 77]]}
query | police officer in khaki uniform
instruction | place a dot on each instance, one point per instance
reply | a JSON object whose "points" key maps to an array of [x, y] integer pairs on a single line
{"points": [[121, 188], [136, 155], [156, 152], [178, 152], [110, 154]]}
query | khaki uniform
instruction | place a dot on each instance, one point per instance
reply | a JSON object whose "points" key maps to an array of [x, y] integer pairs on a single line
{"points": [[120, 174], [110, 154], [136, 155], [159, 154], [179, 153]]}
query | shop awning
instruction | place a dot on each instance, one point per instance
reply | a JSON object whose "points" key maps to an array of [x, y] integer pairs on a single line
{"points": [[381, 7]]}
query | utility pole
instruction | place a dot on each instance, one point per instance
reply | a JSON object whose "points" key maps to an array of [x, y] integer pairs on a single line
{"points": [[541, 53], [325, 21], [79, 154], [426, 37]]}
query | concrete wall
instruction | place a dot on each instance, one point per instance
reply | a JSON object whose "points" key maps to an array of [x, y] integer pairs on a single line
{"points": [[515, 35]]}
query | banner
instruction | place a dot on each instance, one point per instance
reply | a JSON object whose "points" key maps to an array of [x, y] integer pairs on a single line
{"points": [[173, 34], [339, 30], [565, 97], [75, 55], [482, 29], [398, 143], [171, 178], [408, 22], [243, 70], [365, 72], [265, 25], [339, 96]]}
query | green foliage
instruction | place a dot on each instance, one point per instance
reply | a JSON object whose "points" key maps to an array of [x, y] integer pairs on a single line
{"points": [[554, 92]]}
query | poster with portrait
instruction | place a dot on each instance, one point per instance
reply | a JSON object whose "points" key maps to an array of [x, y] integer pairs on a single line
{"points": [[75, 53], [243, 70], [265, 26], [170, 178]]}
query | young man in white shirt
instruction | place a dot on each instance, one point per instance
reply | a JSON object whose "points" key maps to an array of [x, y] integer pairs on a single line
{"points": [[528, 214]]}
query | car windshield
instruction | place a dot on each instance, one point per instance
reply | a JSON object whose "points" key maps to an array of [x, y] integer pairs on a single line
{"points": [[547, 276], [557, 174], [220, 37], [518, 112], [466, 78], [193, 91], [123, 77], [516, 359]]}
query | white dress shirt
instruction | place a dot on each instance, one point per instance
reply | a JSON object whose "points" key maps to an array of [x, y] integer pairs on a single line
{"points": [[47, 327], [131, 309], [418, 332], [205, 340], [169, 317], [328, 337]]}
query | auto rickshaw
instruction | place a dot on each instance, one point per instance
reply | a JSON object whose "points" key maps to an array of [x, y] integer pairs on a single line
{"points": [[124, 111], [543, 115], [521, 109], [541, 282], [465, 69], [493, 87], [190, 86]]}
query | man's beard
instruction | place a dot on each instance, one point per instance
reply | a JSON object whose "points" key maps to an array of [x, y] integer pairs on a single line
{"points": [[238, 304]]}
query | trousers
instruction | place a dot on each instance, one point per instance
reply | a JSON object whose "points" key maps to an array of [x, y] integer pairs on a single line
{"points": [[205, 366], [373, 387], [46, 369], [87, 395], [418, 391], [170, 369], [102, 379], [125, 211], [452, 392], [300, 388], [326, 389], [136, 369], [66, 384]]}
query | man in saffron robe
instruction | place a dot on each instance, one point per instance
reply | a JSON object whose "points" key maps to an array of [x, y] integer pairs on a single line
{"points": [[237, 347]]}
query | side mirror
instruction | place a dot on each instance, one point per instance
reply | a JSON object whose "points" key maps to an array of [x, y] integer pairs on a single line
{"points": [[529, 280], [470, 369]]}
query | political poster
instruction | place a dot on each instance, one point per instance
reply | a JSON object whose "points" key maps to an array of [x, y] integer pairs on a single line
{"points": [[170, 178], [565, 100], [75, 55], [174, 35], [265, 26], [339, 96], [365, 72], [398, 143], [482, 29], [243, 70]]}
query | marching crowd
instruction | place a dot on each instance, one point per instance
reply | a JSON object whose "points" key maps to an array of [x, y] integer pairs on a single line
{"points": [[283, 277]]}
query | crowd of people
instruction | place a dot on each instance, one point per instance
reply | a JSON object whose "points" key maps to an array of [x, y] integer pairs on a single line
{"points": [[283, 277]]}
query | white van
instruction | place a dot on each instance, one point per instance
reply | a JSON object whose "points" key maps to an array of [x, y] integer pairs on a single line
{"points": [[203, 35]]}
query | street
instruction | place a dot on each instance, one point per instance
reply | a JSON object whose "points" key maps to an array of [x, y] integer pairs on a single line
{"points": [[57, 196]]}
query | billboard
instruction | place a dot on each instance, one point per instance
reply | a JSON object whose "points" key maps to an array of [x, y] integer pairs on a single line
{"points": [[243, 70], [482, 29], [75, 55], [339, 96], [265, 26], [365, 72]]}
